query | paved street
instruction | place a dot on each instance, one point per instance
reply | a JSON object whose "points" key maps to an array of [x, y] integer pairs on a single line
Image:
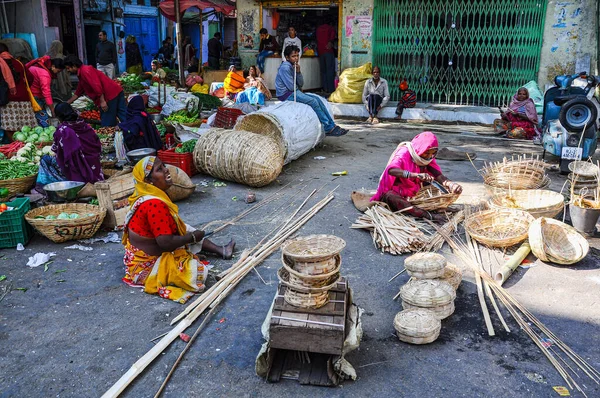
{"points": [[73, 333]]}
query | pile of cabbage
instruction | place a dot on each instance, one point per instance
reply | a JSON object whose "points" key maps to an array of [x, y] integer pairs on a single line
{"points": [[65, 216], [35, 135], [30, 154]]}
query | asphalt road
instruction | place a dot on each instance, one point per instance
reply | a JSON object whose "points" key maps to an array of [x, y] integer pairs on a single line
{"points": [[77, 328]]}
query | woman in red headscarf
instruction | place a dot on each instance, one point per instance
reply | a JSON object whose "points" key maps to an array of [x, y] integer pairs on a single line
{"points": [[43, 71], [412, 164]]}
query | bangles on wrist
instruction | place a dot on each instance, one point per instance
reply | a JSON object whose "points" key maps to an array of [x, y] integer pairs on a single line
{"points": [[194, 238]]}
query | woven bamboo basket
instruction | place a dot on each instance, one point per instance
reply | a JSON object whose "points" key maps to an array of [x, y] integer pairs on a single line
{"points": [[109, 173], [427, 293], [19, 185], [534, 179], [284, 277], [452, 275], [499, 227], [417, 326], [313, 248], [108, 164], [305, 300], [264, 124], [197, 123], [310, 281], [425, 265], [84, 227], [537, 202], [554, 241], [430, 198], [440, 311], [584, 169], [182, 186], [315, 268], [239, 156]]}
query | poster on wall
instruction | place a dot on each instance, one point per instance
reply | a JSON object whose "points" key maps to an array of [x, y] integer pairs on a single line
{"points": [[361, 23]]}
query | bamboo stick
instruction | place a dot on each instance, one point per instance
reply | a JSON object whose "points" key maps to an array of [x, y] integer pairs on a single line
{"points": [[513, 262], [482, 303]]}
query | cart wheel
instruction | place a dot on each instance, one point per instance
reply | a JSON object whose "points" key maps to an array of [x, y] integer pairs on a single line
{"points": [[577, 113]]}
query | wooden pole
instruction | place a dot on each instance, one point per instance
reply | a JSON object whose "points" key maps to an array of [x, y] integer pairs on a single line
{"points": [[180, 56]]}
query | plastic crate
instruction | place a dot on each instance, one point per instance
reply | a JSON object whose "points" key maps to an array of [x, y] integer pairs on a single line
{"points": [[13, 227], [227, 117], [185, 161]]}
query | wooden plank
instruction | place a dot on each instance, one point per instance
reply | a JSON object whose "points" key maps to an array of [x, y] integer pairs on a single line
{"points": [[276, 369]]}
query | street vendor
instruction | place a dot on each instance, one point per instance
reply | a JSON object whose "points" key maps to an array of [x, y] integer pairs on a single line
{"points": [[139, 131], [521, 119], [159, 247], [106, 93], [411, 165], [43, 70], [157, 71]]}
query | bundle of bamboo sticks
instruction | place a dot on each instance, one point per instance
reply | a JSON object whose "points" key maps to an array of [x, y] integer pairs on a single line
{"points": [[213, 296], [393, 233]]}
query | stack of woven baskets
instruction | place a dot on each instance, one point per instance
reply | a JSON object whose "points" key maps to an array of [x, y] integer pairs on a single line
{"points": [[516, 174], [311, 267], [427, 298]]}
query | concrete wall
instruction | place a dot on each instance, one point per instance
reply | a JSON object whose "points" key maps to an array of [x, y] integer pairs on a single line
{"points": [[248, 25], [32, 18], [570, 39], [357, 33]]}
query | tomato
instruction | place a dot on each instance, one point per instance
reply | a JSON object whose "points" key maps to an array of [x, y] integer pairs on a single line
{"points": [[3, 207]]}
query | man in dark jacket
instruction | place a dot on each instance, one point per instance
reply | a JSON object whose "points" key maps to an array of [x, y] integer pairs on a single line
{"points": [[268, 46], [106, 55], [215, 48]]}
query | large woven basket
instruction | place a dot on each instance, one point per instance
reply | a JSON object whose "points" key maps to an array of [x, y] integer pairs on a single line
{"points": [[84, 227], [499, 227], [314, 268], [284, 277], [182, 186], [313, 248], [440, 311], [427, 293], [493, 188], [265, 124], [19, 185], [307, 280], [425, 265], [537, 202], [417, 326], [554, 241], [431, 198], [239, 156], [305, 300]]}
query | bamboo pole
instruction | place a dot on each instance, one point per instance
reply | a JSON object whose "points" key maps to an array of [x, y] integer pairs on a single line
{"points": [[513, 262]]}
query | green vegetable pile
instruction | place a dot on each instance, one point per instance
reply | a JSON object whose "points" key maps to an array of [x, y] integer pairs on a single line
{"points": [[35, 135], [162, 130], [131, 83], [63, 216], [183, 116], [30, 154], [208, 102], [10, 170], [186, 147]]}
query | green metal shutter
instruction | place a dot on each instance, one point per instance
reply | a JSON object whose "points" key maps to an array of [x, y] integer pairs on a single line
{"points": [[476, 52]]}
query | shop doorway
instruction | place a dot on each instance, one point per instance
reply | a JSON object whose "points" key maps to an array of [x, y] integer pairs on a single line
{"points": [[91, 39], [61, 14], [146, 32]]}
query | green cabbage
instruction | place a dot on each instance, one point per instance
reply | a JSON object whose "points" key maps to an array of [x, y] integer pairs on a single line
{"points": [[51, 217], [63, 216], [38, 130], [20, 136], [73, 216], [26, 129]]}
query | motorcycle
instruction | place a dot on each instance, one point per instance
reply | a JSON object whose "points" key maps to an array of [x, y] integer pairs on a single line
{"points": [[570, 120]]}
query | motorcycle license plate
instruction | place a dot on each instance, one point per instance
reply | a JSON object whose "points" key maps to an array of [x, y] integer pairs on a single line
{"points": [[571, 153]]}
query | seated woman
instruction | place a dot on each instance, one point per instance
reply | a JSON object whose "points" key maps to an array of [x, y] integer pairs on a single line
{"points": [[375, 95], [157, 71], [520, 119], [159, 246], [408, 99], [411, 165], [255, 88], [233, 83], [77, 147], [139, 131]]}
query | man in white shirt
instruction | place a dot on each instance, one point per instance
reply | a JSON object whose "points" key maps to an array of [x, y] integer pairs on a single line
{"points": [[375, 95], [292, 39]]}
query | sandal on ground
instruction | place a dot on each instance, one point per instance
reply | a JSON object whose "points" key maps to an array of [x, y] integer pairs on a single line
{"points": [[375, 120], [337, 131], [369, 120]]}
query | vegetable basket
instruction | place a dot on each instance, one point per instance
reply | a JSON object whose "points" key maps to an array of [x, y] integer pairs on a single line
{"points": [[84, 227], [19, 185]]}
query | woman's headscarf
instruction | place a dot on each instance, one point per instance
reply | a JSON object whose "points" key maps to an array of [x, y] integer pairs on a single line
{"points": [[141, 171], [56, 49], [65, 112], [528, 104], [139, 127], [44, 62], [407, 156]]}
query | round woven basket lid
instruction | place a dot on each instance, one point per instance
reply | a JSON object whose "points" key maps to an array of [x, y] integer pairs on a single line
{"points": [[313, 247], [423, 262], [427, 292], [416, 322], [584, 168]]}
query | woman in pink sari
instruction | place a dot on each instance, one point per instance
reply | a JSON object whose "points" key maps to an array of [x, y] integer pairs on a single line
{"points": [[521, 116], [412, 164]]}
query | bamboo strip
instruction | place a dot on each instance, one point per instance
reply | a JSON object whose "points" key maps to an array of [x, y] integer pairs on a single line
{"points": [[482, 303]]}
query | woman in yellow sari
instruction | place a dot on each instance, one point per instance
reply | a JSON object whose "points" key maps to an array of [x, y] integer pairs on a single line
{"points": [[159, 246]]}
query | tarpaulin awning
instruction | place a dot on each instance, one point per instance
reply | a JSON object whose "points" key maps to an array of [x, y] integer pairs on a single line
{"points": [[167, 7]]}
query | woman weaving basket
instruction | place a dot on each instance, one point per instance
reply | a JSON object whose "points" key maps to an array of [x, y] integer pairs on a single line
{"points": [[411, 165], [159, 246]]}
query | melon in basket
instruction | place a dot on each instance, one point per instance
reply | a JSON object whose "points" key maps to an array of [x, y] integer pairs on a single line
{"points": [[182, 186]]}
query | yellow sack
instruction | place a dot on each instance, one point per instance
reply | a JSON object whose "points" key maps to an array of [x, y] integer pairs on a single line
{"points": [[200, 88], [351, 85]]}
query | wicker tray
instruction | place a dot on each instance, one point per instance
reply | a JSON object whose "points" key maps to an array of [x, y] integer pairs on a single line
{"points": [[63, 230], [417, 326], [537, 202], [313, 248], [19, 185], [499, 227], [556, 242], [430, 198], [584, 169]]}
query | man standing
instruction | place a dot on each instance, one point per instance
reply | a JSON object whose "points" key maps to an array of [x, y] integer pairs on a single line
{"points": [[215, 49], [325, 40], [106, 55], [284, 85], [106, 93], [292, 39], [268, 46], [167, 51]]}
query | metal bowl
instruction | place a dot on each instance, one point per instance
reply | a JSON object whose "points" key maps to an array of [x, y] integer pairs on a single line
{"points": [[63, 191], [156, 117], [138, 154]]}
